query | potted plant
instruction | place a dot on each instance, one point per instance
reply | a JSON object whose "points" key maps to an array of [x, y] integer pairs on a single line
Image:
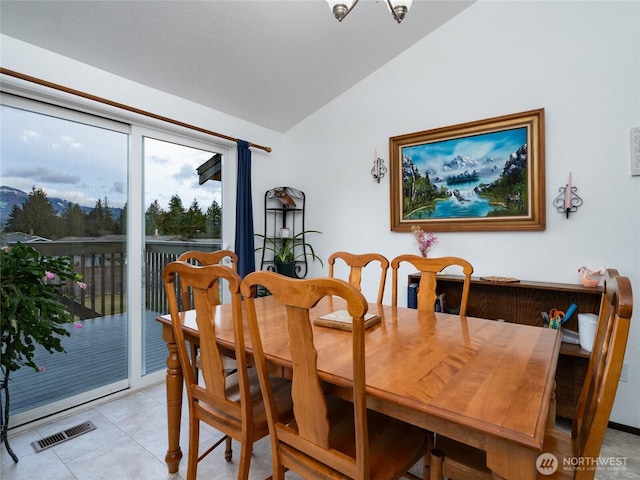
{"points": [[287, 251], [32, 313]]}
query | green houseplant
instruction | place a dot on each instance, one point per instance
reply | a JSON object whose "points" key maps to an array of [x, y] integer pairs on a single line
{"points": [[286, 251], [32, 313]]}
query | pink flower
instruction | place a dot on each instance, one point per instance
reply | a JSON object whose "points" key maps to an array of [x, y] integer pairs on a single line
{"points": [[82, 285], [426, 240], [77, 325], [49, 275], [42, 369]]}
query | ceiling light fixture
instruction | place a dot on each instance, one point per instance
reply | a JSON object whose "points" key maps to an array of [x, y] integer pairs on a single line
{"points": [[342, 8]]}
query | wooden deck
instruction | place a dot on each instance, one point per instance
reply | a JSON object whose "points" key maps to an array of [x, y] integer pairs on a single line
{"points": [[96, 356]]}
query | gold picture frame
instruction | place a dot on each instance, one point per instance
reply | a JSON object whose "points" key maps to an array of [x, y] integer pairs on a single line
{"points": [[477, 176]]}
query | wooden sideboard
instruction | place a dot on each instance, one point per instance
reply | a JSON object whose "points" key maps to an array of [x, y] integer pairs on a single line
{"points": [[523, 302]]}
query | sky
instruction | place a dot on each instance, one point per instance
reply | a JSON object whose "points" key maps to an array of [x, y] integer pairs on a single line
{"points": [[82, 163], [171, 169], [496, 145]]}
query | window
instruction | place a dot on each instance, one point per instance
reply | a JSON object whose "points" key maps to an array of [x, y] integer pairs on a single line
{"points": [[182, 212], [64, 192], [113, 187]]}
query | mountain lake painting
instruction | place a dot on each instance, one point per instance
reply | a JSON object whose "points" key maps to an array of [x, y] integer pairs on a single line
{"points": [[481, 175]]}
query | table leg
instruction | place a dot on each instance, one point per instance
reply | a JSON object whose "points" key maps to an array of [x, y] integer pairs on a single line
{"points": [[509, 461], [174, 400]]}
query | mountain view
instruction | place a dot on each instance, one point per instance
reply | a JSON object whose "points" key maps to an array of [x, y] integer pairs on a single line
{"points": [[10, 196]]}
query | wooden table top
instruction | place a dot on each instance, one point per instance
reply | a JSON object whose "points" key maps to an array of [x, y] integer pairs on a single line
{"points": [[467, 378]]}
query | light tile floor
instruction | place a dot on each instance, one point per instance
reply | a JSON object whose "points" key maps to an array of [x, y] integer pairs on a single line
{"points": [[130, 443]]}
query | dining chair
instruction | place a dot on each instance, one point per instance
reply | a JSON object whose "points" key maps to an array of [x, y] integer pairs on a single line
{"points": [[583, 443], [429, 268], [356, 263], [230, 403], [329, 437], [196, 257]]}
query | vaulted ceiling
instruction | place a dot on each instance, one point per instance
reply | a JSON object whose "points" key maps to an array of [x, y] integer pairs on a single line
{"points": [[272, 63]]}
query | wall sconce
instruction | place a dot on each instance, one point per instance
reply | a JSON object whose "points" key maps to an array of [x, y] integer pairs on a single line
{"points": [[567, 201], [379, 170]]}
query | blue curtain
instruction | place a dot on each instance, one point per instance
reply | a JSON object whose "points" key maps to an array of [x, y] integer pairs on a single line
{"points": [[244, 213]]}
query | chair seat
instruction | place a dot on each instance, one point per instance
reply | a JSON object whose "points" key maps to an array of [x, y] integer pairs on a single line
{"points": [[282, 394], [388, 438], [229, 364]]}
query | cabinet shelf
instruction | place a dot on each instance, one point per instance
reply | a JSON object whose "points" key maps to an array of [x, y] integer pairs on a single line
{"points": [[574, 350]]}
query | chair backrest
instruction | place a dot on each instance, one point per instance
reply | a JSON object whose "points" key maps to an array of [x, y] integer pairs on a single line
{"points": [[200, 280], [357, 262], [311, 437], [206, 258], [603, 374], [428, 268]]}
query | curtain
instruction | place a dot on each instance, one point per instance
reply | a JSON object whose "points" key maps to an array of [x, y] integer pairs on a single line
{"points": [[244, 243]]}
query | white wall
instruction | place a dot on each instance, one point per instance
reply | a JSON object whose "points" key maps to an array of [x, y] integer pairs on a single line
{"points": [[578, 60]]}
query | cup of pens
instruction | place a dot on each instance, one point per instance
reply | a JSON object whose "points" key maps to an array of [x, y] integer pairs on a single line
{"points": [[556, 318]]}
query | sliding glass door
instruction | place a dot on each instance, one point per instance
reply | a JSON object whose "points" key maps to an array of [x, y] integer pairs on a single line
{"points": [[121, 200], [182, 201], [64, 192]]}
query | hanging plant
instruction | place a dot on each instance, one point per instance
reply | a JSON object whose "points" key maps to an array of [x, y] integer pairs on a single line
{"points": [[32, 313]]}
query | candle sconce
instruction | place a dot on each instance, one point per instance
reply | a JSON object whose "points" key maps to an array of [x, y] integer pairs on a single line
{"points": [[379, 170], [567, 201]]}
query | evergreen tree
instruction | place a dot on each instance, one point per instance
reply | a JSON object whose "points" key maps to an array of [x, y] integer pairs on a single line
{"points": [[16, 221], [175, 219], [214, 221], [37, 216], [121, 224], [109, 224], [73, 221], [94, 220], [196, 221], [99, 221], [154, 219]]}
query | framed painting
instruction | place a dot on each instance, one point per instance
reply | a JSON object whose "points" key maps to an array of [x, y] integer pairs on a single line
{"points": [[482, 175]]}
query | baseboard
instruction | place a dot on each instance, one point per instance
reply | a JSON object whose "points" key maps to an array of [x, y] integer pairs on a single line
{"points": [[566, 424], [624, 428]]}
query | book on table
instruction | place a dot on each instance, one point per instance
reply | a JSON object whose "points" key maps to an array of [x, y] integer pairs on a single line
{"points": [[342, 320]]}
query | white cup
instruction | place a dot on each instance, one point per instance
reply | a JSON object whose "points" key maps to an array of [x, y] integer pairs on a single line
{"points": [[587, 323]]}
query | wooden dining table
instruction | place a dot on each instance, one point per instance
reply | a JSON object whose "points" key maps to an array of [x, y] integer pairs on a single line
{"points": [[485, 383]]}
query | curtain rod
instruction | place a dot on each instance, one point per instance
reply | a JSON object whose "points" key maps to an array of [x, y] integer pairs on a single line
{"points": [[95, 98]]}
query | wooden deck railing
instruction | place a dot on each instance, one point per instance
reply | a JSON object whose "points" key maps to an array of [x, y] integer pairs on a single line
{"points": [[102, 266], [97, 349]]}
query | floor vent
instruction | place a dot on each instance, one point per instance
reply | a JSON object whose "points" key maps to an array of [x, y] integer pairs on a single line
{"points": [[60, 437]]}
